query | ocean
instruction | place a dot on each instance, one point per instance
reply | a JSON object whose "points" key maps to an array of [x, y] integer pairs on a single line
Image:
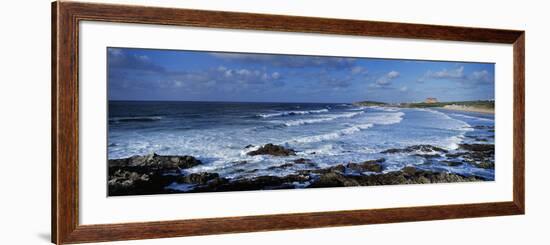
{"points": [[221, 133]]}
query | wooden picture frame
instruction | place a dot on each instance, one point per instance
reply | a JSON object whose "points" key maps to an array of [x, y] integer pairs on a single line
{"points": [[65, 121]]}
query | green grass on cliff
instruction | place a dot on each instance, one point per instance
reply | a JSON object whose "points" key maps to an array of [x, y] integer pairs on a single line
{"points": [[488, 104]]}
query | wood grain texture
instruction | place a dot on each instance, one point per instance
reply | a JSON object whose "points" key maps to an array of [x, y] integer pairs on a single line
{"points": [[54, 123], [65, 124], [235, 20], [65, 103], [519, 122], [149, 230]]}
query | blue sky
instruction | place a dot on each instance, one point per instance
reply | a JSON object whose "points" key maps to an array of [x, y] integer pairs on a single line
{"points": [[146, 74]]}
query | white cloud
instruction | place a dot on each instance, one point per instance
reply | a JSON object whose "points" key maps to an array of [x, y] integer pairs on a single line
{"points": [[457, 73], [393, 74], [358, 70], [289, 61], [454, 73], [387, 78], [115, 51], [404, 89], [482, 76]]}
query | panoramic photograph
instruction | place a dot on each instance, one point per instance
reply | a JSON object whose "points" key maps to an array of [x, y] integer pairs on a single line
{"points": [[198, 121]]}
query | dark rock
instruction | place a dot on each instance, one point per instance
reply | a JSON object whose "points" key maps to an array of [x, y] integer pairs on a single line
{"points": [[428, 156], [149, 174], [477, 147], [155, 161], [334, 179], [479, 155], [122, 179], [408, 175], [485, 165], [371, 165], [218, 182], [409, 170], [302, 161], [124, 182], [337, 168], [451, 163], [274, 150], [240, 162], [248, 146], [186, 161], [420, 148], [454, 155], [198, 178], [256, 183], [476, 138], [286, 165]]}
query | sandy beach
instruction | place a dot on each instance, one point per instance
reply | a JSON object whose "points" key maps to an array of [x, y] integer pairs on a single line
{"points": [[469, 109]]}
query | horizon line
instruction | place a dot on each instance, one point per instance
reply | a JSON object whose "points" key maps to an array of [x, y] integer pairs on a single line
{"points": [[287, 102]]}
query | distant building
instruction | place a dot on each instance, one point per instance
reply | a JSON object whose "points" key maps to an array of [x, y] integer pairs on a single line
{"points": [[430, 100]]}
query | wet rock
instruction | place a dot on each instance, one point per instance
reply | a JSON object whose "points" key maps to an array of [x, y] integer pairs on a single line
{"points": [[155, 161], [337, 168], [479, 155], [418, 148], [477, 147], [148, 174], [334, 179], [428, 156], [274, 150], [198, 178], [476, 138], [248, 146], [302, 161], [124, 182], [408, 175], [286, 165], [485, 165], [125, 179], [451, 163], [409, 170], [256, 183], [240, 162], [371, 165]]}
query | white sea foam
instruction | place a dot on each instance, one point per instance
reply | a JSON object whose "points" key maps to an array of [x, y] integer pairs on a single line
{"points": [[333, 135], [360, 108], [453, 142], [136, 119], [321, 119], [385, 118], [291, 113], [388, 109], [472, 117], [457, 125]]}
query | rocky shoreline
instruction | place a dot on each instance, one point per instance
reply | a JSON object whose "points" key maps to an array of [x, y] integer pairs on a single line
{"points": [[156, 174]]}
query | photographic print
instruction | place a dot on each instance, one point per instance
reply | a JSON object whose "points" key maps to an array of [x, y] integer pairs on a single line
{"points": [[198, 121]]}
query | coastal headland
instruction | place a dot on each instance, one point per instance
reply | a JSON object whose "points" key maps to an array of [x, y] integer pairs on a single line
{"points": [[482, 106]]}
